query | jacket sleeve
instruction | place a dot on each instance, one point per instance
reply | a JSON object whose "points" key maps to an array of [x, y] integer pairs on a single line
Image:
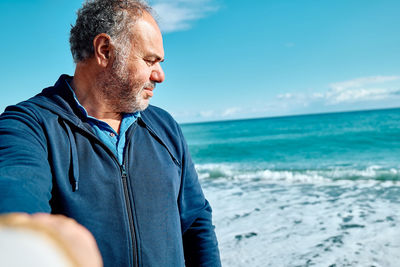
{"points": [[199, 239], [25, 176]]}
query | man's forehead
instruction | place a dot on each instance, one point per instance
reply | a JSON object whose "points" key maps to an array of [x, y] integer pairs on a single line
{"points": [[147, 33], [147, 20]]}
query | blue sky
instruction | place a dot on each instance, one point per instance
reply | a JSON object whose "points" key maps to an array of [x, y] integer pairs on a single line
{"points": [[230, 59]]}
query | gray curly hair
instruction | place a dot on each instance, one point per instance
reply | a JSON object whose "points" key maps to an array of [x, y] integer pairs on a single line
{"points": [[112, 17]]}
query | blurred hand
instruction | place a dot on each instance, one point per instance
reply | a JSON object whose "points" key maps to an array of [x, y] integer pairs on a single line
{"points": [[72, 238]]}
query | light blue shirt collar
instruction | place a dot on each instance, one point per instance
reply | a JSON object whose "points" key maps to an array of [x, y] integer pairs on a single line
{"points": [[116, 142]]}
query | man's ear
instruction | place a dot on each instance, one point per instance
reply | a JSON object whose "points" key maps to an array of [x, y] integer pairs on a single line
{"points": [[102, 49]]}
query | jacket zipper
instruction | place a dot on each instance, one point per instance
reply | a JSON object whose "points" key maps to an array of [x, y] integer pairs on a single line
{"points": [[124, 177], [130, 215]]}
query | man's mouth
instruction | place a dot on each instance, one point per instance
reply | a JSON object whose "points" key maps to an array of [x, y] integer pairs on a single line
{"points": [[149, 91], [148, 88]]}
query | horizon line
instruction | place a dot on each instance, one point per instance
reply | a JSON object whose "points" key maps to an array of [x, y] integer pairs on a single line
{"points": [[288, 116]]}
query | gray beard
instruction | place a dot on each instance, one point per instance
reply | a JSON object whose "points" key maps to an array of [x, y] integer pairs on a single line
{"points": [[118, 91]]}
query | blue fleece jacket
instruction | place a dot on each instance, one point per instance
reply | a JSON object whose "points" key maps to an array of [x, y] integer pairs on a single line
{"points": [[149, 211]]}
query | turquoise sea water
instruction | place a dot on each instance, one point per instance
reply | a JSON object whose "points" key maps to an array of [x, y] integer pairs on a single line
{"points": [[313, 190]]}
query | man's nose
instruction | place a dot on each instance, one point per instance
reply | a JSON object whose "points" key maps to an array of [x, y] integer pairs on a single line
{"points": [[157, 75]]}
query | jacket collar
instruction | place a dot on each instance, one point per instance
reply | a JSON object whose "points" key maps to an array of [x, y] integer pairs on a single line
{"points": [[60, 100]]}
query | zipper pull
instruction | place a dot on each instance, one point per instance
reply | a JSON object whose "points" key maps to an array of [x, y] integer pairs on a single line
{"points": [[123, 172]]}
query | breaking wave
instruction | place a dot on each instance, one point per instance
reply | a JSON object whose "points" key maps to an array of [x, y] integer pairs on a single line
{"points": [[238, 172]]}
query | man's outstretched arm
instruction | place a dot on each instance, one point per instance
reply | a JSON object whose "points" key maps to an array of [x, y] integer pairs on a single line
{"points": [[25, 175]]}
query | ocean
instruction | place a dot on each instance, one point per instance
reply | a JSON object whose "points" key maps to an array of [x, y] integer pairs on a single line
{"points": [[312, 190]]}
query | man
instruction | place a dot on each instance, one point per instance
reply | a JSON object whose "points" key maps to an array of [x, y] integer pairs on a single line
{"points": [[92, 149]]}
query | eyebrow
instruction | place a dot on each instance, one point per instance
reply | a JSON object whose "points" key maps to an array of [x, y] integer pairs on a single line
{"points": [[158, 58]]}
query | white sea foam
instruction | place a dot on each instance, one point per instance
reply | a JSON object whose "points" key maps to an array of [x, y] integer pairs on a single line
{"points": [[371, 174], [291, 223]]}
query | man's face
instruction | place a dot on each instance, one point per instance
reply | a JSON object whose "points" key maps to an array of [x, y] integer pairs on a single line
{"points": [[128, 84]]}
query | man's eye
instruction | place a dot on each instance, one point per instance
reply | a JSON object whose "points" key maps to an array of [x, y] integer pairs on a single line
{"points": [[150, 62]]}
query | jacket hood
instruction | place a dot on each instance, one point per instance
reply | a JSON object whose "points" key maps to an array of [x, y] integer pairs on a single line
{"points": [[58, 99]]}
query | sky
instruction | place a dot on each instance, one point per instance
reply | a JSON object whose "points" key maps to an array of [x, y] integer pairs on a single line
{"points": [[230, 59]]}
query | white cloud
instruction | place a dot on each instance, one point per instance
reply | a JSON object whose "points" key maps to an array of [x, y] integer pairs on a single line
{"points": [[286, 96], [207, 113], [356, 90], [360, 89], [317, 95], [219, 113], [177, 15], [231, 111], [359, 94], [294, 97], [360, 82]]}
